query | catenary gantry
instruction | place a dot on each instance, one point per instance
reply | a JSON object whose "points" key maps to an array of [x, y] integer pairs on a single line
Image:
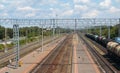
{"points": [[61, 22], [83, 23]]}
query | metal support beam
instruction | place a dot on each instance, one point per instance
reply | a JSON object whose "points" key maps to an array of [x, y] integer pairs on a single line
{"points": [[42, 39], [59, 31], [16, 43], [109, 29], [94, 23], [26, 36], [100, 30], [6, 48], [108, 32], [40, 31], [119, 28], [75, 25], [53, 29]]}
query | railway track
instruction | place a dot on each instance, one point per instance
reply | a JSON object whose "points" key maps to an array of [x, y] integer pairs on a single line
{"points": [[23, 51], [59, 60], [106, 67], [101, 47]]}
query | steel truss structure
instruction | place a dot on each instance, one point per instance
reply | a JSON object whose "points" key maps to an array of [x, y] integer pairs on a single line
{"points": [[78, 23], [83, 23], [65, 23], [16, 43]]}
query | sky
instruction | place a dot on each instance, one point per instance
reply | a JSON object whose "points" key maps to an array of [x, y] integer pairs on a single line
{"points": [[60, 8]]}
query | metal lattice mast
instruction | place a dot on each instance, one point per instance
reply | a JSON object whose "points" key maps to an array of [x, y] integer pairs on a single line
{"points": [[16, 42]]}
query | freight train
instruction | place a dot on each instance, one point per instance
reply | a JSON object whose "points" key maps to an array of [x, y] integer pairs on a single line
{"points": [[112, 46]]}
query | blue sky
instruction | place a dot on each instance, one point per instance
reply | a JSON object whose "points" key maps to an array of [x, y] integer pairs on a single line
{"points": [[61, 8]]}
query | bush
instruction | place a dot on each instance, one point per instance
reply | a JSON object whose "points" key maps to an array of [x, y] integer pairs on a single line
{"points": [[2, 47], [22, 42], [9, 46]]}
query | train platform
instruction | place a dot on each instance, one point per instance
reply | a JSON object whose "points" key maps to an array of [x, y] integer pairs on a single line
{"points": [[31, 60], [82, 60]]}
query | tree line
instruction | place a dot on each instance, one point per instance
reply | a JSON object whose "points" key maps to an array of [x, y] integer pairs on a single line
{"points": [[30, 31], [114, 31]]}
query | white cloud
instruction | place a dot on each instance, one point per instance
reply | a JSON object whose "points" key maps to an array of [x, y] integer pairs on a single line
{"points": [[27, 8], [105, 3], [49, 8], [30, 15], [81, 1], [80, 7], [65, 4], [117, 0], [50, 2], [3, 1], [55, 10], [91, 14], [67, 13], [14, 2], [2, 6], [114, 9], [4, 14]]}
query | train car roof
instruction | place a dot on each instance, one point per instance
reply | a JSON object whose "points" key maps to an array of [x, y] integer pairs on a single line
{"points": [[117, 39]]}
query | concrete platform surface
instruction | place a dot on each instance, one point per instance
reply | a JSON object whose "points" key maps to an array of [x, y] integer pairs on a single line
{"points": [[82, 60]]}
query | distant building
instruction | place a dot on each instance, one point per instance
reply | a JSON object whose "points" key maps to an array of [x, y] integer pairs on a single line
{"points": [[3, 42]]}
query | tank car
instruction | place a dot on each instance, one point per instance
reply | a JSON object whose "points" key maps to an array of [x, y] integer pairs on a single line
{"points": [[96, 38], [111, 47], [117, 51]]}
